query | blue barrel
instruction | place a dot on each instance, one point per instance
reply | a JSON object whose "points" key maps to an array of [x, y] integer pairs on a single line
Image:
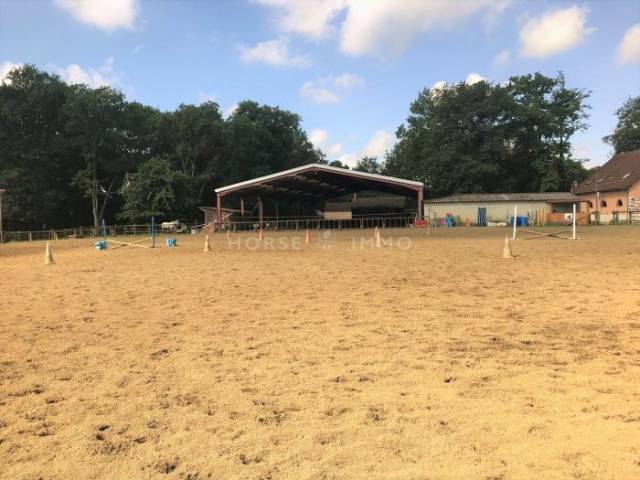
{"points": [[520, 222]]}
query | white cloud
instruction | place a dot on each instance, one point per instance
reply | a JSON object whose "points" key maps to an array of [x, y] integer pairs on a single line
{"points": [[493, 14], [325, 89], [441, 85], [275, 53], [474, 78], [106, 14], [471, 79], [318, 137], [381, 141], [629, 48], [348, 81], [502, 57], [318, 93], [5, 68], [554, 32], [378, 144], [206, 97], [310, 18], [138, 48], [349, 159], [104, 75], [334, 149], [376, 27], [230, 110]]}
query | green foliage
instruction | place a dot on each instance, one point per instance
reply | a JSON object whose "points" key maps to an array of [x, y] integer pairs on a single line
{"points": [[192, 137], [35, 166], [61, 145], [492, 138], [368, 165], [626, 136], [262, 140], [338, 164], [155, 189]]}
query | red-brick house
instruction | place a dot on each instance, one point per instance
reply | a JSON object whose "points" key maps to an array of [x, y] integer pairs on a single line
{"points": [[613, 191]]}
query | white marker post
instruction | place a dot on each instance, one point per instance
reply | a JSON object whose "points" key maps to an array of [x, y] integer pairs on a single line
{"points": [[573, 237], [515, 221]]}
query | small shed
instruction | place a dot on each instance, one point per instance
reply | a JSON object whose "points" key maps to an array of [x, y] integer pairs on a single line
{"points": [[499, 207]]}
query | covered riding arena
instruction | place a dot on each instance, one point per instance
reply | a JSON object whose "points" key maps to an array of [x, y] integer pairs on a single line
{"points": [[318, 196]]}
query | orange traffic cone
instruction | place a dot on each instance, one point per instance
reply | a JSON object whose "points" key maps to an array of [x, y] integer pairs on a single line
{"points": [[260, 234], [307, 238], [207, 245]]}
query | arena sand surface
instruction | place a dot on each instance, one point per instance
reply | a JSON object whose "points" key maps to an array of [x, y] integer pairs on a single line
{"points": [[438, 361]]}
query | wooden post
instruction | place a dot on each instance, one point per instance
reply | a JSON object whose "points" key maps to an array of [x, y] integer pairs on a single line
{"points": [[260, 213], [219, 205]]}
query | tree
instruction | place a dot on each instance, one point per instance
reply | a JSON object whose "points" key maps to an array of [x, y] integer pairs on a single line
{"points": [[368, 165], [95, 119], [193, 139], [626, 135], [338, 164], [492, 138], [35, 165], [261, 140], [155, 189]]}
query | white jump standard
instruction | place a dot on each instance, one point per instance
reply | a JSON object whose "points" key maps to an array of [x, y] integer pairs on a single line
{"points": [[568, 227]]}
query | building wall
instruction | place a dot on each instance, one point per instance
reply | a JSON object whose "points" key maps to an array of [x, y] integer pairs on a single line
{"points": [[634, 197], [609, 202], [496, 211]]}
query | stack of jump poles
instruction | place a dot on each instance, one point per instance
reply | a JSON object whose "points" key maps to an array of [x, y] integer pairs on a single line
{"points": [[555, 234]]}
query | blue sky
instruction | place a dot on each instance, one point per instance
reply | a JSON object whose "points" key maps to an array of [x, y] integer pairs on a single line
{"points": [[350, 68]]}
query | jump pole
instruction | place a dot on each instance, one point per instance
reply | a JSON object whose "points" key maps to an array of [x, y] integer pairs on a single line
{"points": [[573, 236], [153, 232], [515, 221]]}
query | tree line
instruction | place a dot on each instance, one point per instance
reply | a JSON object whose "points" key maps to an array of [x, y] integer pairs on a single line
{"points": [[73, 155]]}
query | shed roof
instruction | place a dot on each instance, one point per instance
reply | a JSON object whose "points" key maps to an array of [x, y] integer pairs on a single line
{"points": [[619, 173], [315, 181], [552, 197]]}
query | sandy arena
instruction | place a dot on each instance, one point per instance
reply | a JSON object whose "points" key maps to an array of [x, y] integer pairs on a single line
{"points": [[434, 360]]}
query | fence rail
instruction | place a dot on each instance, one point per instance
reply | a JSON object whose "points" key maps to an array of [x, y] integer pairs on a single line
{"points": [[79, 232], [246, 224]]}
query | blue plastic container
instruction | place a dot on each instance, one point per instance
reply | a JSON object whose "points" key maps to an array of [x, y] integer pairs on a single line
{"points": [[101, 245], [520, 222], [171, 242]]}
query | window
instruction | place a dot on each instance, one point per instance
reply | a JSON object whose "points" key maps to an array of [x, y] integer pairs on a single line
{"points": [[625, 176], [603, 204], [590, 204], [619, 203]]}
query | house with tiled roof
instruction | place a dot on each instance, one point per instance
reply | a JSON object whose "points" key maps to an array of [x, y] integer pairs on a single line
{"points": [[613, 191]]}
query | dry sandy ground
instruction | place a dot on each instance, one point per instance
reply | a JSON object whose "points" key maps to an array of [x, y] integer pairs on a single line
{"points": [[438, 361]]}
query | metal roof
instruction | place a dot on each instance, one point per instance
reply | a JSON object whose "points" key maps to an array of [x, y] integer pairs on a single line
{"points": [[556, 197], [317, 181]]}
